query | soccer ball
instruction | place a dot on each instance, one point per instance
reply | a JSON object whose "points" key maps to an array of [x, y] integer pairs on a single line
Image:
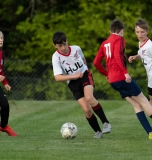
{"points": [[68, 130]]}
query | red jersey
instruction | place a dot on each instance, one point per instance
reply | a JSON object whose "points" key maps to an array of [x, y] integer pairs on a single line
{"points": [[1, 67], [112, 50]]}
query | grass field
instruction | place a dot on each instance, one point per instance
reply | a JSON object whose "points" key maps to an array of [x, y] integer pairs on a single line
{"points": [[38, 125]]}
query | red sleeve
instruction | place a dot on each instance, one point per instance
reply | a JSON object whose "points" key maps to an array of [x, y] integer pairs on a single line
{"points": [[97, 61], [119, 54], [5, 80], [2, 58]]}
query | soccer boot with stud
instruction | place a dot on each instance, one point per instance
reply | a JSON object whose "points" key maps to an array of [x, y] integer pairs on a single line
{"points": [[8, 130], [106, 128], [98, 134]]}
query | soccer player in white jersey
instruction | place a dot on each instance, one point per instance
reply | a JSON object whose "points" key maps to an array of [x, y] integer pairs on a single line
{"points": [[69, 65], [144, 52]]}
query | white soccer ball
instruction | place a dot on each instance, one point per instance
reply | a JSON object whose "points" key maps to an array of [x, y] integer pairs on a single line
{"points": [[69, 130]]}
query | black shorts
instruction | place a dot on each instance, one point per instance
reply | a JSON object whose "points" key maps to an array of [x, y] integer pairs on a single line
{"points": [[77, 86], [150, 91], [126, 89]]}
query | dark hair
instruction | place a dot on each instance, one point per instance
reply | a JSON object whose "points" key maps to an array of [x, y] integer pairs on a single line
{"points": [[59, 38], [116, 26], [142, 24]]}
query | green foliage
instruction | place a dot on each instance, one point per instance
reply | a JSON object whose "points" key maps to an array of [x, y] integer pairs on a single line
{"points": [[29, 25], [85, 23]]}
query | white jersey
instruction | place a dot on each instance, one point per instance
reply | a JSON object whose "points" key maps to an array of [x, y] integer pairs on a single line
{"points": [[69, 64], [145, 52]]}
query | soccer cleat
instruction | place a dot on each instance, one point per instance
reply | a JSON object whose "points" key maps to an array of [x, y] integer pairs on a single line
{"points": [[150, 135], [106, 128], [8, 130], [98, 135]]}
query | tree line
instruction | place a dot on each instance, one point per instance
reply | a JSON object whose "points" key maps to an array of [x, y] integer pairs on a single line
{"points": [[28, 26]]}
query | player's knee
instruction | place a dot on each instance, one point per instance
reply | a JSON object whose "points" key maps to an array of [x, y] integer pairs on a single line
{"points": [[89, 99], [88, 112]]}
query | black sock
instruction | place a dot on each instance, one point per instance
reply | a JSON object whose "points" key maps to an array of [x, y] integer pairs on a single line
{"points": [[144, 122], [94, 123], [100, 113]]}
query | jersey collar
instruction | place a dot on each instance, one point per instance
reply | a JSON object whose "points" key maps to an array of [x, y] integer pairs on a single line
{"points": [[65, 54]]}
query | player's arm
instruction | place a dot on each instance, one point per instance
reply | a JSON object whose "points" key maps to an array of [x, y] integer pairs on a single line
{"points": [[119, 55], [61, 78], [4, 81], [84, 60], [82, 55], [150, 51], [98, 62], [2, 78], [135, 57]]}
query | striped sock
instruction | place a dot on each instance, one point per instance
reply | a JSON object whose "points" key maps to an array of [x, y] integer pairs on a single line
{"points": [[94, 123], [100, 113]]}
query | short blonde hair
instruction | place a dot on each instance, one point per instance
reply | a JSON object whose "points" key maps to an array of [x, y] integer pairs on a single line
{"points": [[142, 24], [1, 34]]}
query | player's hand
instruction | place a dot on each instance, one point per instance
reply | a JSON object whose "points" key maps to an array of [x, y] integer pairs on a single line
{"points": [[78, 75], [131, 58], [128, 78], [2, 78], [7, 87], [107, 79]]}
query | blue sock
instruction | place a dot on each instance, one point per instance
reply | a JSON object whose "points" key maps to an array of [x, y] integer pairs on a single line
{"points": [[144, 122]]}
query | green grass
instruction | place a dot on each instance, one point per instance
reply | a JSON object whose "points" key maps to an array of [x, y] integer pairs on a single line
{"points": [[38, 124]]}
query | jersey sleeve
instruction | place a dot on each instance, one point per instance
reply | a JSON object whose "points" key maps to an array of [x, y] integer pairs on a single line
{"points": [[98, 61], [150, 51], [80, 52], [2, 68], [56, 65], [5, 80], [119, 55]]}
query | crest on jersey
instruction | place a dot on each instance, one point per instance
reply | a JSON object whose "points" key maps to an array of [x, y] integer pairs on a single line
{"points": [[76, 55], [143, 52]]}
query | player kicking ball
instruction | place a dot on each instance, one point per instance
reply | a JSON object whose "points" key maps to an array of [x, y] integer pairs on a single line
{"points": [[69, 65]]}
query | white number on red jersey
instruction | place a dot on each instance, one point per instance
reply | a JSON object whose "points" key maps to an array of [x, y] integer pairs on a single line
{"points": [[108, 51]]}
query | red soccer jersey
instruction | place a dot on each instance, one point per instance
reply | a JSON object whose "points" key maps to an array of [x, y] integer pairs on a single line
{"points": [[1, 67], [112, 50]]}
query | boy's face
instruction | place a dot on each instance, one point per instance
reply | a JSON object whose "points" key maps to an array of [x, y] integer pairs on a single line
{"points": [[62, 48], [1, 40], [141, 34]]}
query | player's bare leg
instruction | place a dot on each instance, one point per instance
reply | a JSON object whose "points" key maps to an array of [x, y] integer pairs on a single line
{"points": [[135, 104], [141, 115], [143, 101], [88, 94], [91, 118], [150, 97]]}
